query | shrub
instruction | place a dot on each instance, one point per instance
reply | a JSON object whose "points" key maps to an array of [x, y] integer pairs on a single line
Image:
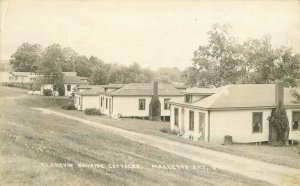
{"points": [[61, 90], [169, 131], [279, 121], [69, 106], [92, 111], [47, 92]]}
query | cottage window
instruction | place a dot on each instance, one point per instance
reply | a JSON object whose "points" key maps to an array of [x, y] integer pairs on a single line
{"points": [[296, 121], [106, 103], [201, 122], [78, 100], [68, 87], [142, 103], [188, 98], [166, 104], [176, 116], [101, 100], [257, 122], [191, 121]]}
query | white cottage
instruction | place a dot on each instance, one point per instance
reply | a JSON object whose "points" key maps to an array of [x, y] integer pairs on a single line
{"points": [[240, 111], [84, 99], [133, 100]]}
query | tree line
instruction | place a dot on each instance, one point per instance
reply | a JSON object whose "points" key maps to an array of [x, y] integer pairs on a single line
{"points": [[224, 61], [55, 58]]}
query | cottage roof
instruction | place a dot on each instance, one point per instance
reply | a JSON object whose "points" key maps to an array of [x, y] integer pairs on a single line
{"points": [[94, 91], [87, 86], [201, 91], [73, 80], [242, 96], [146, 89], [114, 85]]}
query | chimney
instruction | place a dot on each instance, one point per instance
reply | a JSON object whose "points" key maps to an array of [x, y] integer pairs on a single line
{"points": [[279, 92], [155, 88], [155, 106]]}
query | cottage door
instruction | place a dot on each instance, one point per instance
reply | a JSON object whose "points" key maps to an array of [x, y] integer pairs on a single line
{"points": [[202, 125]]}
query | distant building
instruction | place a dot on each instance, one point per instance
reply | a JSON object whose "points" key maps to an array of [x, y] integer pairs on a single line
{"points": [[71, 80], [240, 111]]}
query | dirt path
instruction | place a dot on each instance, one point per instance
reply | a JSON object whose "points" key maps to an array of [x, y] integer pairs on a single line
{"points": [[271, 173]]}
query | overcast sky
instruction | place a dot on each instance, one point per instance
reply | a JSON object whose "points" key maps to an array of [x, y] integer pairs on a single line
{"points": [[154, 34]]}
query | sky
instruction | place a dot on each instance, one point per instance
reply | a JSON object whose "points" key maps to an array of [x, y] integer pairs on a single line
{"points": [[153, 33]]}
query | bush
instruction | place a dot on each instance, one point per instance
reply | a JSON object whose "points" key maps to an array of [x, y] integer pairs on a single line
{"points": [[169, 131], [61, 90], [69, 106], [47, 92], [92, 111]]}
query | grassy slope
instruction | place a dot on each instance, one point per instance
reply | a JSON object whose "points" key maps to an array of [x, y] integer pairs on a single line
{"points": [[29, 138], [287, 156]]}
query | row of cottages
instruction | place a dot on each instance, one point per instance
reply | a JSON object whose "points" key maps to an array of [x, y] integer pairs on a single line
{"points": [[130, 100], [240, 111]]}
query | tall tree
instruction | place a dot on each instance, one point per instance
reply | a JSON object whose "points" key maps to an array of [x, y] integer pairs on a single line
{"points": [[218, 63], [51, 67], [69, 59], [26, 58], [225, 61]]}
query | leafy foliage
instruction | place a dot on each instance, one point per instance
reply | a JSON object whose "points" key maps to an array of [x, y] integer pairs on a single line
{"points": [[26, 58], [225, 61], [61, 90], [69, 106], [92, 111], [295, 94], [169, 131], [55, 59], [279, 121], [51, 67], [37, 84], [47, 92]]}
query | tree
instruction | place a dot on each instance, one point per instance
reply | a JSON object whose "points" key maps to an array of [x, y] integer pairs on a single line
{"points": [[217, 63], [83, 66], [225, 61], [279, 125], [51, 67], [26, 58], [69, 59]]}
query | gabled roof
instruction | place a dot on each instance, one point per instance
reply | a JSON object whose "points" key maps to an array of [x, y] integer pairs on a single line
{"points": [[114, 85], [146, 89], [87, 86], [83, 78], [201, 91], [94, 91], [73, 80], [242, 96]]}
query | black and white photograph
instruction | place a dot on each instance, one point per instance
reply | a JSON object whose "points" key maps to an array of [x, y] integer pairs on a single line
{"points": [[149, 92]]}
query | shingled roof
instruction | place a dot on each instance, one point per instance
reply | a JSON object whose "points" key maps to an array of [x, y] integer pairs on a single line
{"points": [[94, 91], [111, 85], [73, 80], [242, 96], [201, 91], [146, 89]]}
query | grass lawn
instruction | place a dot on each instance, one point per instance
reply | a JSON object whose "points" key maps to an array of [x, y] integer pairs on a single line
{"points": [[30, 141], [287, 155]]}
